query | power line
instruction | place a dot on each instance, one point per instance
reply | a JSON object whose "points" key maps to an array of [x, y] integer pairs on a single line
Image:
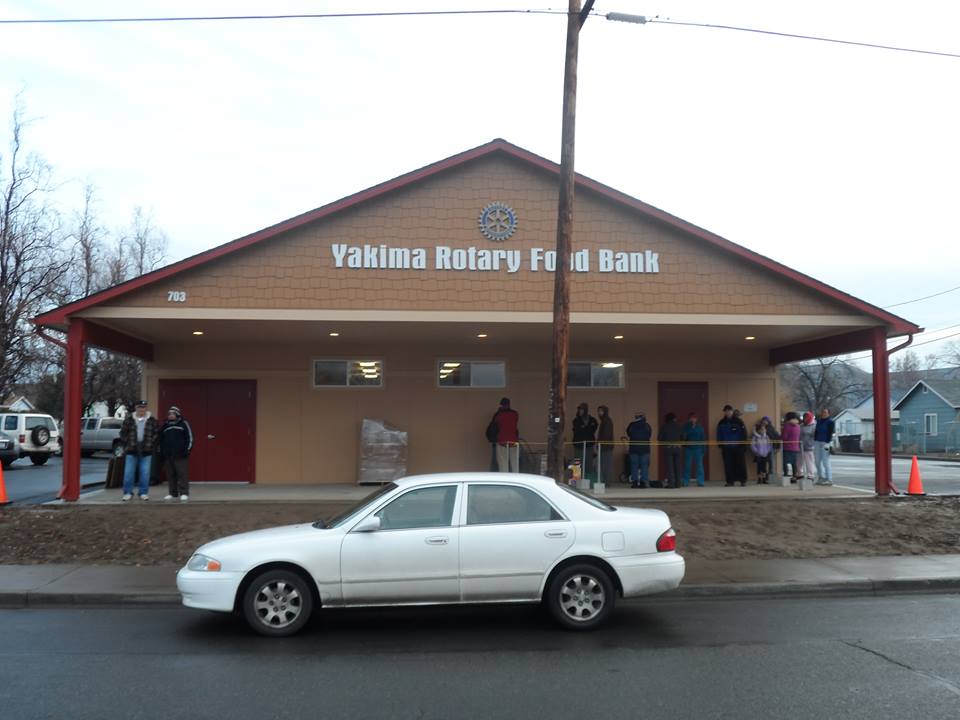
{"points": [[919, 344], [799, 36], [288, 16], [927, 297]]}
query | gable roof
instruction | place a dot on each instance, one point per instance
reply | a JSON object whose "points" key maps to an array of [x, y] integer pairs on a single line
{"points": [[946, 390], [897, 325]]}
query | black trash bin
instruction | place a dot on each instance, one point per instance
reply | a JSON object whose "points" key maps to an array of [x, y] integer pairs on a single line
{"points": [[850, 443]]}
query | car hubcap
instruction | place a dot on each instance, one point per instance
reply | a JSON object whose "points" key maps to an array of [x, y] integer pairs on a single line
{"points": [[582, 598], [277, 603]]}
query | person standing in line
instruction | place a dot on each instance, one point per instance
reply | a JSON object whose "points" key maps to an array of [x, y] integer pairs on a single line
{"points": [[693, 435], [176, 442], [584, 438], [790, 436], [670, 435], [138, 436], [740, 454], [731, 434], [807, 464], [605, 438], [639, 433], [508, 437], [774, 444], [762, 447], [823, 439]]}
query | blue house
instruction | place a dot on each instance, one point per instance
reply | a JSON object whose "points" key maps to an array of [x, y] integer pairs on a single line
{"points": [[930, 416]]}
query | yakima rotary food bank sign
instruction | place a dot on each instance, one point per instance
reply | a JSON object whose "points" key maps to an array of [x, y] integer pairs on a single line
{"points": [[498, 222]]}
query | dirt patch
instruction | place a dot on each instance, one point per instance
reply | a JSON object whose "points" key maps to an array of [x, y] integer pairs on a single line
{"points": [[139, 534]]}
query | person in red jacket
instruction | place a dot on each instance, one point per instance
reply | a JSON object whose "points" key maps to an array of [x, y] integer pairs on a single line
{"points": [[508, 437]]}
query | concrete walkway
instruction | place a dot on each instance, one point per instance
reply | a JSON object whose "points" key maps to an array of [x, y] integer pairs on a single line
{"points": [[241, 492], [72, 585]]}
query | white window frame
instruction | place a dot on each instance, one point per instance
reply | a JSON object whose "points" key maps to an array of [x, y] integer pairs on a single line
{"points": [[591, 386], [934, 426], [439, 363], [347, 385]]}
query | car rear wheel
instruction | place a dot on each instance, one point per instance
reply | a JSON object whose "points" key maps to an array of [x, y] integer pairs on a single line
{"points": [[39, 458], [580, 597], [278, 603]]}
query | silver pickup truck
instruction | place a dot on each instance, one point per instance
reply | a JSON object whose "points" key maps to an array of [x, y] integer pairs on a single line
{"points": [[100, 434]]}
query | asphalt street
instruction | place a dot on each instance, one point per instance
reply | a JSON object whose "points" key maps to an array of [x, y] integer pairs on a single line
{"points": [[939, 476], [29, 483], [885, 657]]}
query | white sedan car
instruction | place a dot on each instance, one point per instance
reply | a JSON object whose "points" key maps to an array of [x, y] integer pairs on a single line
{"points": [[442, 539]]}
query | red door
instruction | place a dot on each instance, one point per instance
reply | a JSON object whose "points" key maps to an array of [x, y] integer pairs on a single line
{"points": [[223, 417], [681, 399]]}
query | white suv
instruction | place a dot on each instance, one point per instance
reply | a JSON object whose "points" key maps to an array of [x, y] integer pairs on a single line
{"points": [[34, 436]]}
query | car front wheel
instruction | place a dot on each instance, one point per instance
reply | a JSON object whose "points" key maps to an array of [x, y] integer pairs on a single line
{"points": [[580, 597], [278, 603], [39, 458]]}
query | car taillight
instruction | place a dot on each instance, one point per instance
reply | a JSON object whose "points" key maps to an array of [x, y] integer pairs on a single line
{"points": [[667, 542]]}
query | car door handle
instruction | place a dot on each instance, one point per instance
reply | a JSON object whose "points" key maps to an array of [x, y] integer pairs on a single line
{"points": [[555, 533], [437, 541]]}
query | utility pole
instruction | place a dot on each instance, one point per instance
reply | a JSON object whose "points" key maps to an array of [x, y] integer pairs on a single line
{"points": [[556, 422]]}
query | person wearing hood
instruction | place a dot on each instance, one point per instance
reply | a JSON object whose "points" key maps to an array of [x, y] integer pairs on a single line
{"points": [[605, 438], [670, 435], [807, 463], [138, 437], [639, 433], [584, 438], [823, 439], [176, 442], [693, 435], [790, 434], [732, 438]]}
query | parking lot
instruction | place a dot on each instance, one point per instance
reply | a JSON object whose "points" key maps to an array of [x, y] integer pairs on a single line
{"points": [[29, 483]]}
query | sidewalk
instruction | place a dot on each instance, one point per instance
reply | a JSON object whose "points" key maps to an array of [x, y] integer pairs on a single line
{"points": [[155, 586]]}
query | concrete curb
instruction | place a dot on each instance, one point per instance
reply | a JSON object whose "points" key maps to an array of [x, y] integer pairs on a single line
{"points": [[852, 588]]}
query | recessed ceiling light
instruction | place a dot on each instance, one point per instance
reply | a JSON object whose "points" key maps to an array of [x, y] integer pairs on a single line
{"points": [[618, 337], [198, 332], [334, 334], [749, 337], [481, 335], [451, 365], [612, 365]]}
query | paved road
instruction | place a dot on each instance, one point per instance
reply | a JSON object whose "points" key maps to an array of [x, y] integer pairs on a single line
{"points": [[811, 658], [939, 477], [28, 483]]}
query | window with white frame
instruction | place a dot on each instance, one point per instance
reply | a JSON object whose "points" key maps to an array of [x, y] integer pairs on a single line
{"points": [[595, 374], [347, 373], [930, 424], [472, 373]]}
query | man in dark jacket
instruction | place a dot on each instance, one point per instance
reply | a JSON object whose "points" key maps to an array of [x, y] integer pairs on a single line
{"points": [[639, 432], [584, 438], [732, 437], [138, 436], [176, 442], [823, 440], [670, 436]]}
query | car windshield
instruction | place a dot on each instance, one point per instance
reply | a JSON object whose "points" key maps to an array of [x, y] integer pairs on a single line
{"points": [[589, 499], [342, 517]]}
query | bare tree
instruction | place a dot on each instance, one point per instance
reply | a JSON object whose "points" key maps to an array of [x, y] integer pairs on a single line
{"points": [[146, 245], [908, 368], [831, 383], [951, 354], [88, 236], [33, 264]]}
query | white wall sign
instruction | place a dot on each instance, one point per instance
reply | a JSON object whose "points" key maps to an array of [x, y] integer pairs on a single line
{"points": [[474, 259], [749, 407]]}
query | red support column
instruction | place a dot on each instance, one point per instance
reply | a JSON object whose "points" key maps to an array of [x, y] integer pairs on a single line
{"points": [[882, 448], [73, 409]]}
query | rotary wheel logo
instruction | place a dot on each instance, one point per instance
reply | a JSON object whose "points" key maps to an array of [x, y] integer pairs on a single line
{"points": [[498, 221]]}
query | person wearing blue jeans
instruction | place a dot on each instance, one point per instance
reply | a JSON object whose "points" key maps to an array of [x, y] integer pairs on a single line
{"points": [[639, 433], [822, 439], [138, 436], [693, 434]]}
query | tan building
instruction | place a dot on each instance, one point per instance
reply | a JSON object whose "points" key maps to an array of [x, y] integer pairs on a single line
{"points": [[424, 300]]}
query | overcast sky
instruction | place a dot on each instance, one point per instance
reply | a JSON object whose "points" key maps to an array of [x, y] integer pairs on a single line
{"points": [[842, 162]]}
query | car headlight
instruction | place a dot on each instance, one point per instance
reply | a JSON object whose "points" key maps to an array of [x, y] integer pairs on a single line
{"points": [[203, 563]]}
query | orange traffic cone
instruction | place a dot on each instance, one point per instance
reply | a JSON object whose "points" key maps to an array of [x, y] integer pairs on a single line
{"points": [[916, 484], [3, 488]]}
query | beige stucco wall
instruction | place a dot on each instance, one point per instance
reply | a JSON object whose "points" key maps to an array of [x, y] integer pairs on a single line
{"points": [[445, 425], [296, 270]]}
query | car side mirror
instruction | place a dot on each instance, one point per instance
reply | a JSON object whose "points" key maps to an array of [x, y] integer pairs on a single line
{"points": [[371, 523]]}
